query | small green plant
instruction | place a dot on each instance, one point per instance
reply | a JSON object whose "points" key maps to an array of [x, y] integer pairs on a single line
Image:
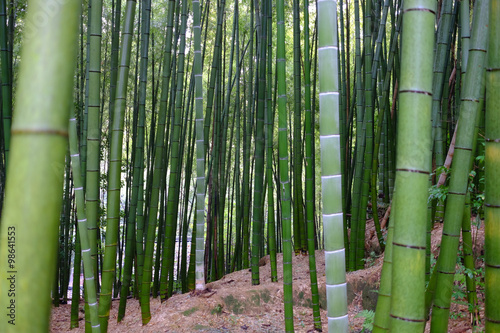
{"points": [[456, 315], [369, 316], [370, 261], [177, 286], [476, 181], [255, 298], [438, 193], [217, 310], [459, 293], [477, 329]]}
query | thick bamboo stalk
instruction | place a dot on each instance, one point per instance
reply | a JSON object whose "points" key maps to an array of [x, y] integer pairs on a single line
{"points": [[412, 168], [462, 161], [30, 220], [492, 176], [331, 178]]}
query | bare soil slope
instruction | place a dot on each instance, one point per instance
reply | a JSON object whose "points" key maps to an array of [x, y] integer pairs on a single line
{"points": [[232, 304]]}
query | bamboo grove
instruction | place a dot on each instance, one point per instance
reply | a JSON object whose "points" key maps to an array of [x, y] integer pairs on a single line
{"points": [[155, 146]]}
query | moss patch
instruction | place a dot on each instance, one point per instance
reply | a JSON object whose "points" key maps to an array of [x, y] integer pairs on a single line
{"points": [[190, 311], [233, 304]]}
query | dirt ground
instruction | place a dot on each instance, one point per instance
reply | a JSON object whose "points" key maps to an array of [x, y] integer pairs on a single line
{"points": [[232, 304]]}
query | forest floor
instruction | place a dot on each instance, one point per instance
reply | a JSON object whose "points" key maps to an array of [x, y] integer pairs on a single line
{"points": [[232, 304]]}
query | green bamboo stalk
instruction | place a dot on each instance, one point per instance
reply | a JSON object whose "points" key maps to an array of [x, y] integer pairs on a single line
{"points": [[465, 45], [248, 120], [84, 113], [115, 162], [465, 33], [382, 155], [225, 159], [378, 169], [93, 231], [145, 283], [391, 144], [259, 188], [344, 115], [6, 79], [185, 146], [88, 269], [270, 116], [175, 160], [462, 161], [378, 44], [412, 168], [382, 320], [191, 276], [310, 165], [213, 72], [215, 175], [139, 237], [382, 124], [93, 125], [283, 168], [441, 63], [469, 262], [443, 40], [331, 178], [235, 199], [59, 284], [239, 211], [80, 85], [156, 261], [299, 233], [368, 115], [156, 146], [187, 142], [30, 219], [360, 150], [492, 200], [138, 160], [115, 46], [187, 180], [75, 295], [67, 230], [55, 293]]}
